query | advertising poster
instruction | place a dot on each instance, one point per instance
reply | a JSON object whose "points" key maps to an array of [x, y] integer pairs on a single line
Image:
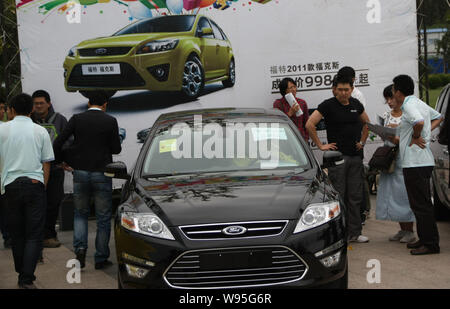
{"points": [[159, 56]]}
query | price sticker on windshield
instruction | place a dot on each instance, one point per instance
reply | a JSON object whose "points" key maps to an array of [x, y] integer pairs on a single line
{"points": [[168, 145], [260, 134]]}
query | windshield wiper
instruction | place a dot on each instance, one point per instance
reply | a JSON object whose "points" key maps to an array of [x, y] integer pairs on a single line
{"points": [[158, 175]]}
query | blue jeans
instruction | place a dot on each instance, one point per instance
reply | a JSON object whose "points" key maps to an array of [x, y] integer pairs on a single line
{"points": [[96, 185]]}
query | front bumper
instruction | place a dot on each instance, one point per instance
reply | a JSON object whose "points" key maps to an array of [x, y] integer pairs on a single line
{"points": [[135, 72], [162, 255]]}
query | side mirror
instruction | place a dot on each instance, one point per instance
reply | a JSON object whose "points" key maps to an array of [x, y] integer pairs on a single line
{"points": [[117, 170], [142, 135], [206, 31], [332, 158]]}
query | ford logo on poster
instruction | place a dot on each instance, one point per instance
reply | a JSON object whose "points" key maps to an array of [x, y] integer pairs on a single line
{"points": [[101, 51], [234, 230]]}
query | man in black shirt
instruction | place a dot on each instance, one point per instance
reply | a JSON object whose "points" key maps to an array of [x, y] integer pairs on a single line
{"points": [[96, 138], [343, 116]]}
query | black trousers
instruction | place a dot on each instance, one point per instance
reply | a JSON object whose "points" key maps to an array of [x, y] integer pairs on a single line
{"points": [[3, 222], [55, 195], [417, 182], [25, 212]]}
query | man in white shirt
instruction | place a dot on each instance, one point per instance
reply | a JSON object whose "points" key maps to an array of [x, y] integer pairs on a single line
{"points": [[25, 155], [418, 120]]}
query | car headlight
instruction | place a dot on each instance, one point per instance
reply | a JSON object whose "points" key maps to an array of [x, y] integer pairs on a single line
{"points": [[145, 223], [72, 52], [158, 46], [317, 214]]}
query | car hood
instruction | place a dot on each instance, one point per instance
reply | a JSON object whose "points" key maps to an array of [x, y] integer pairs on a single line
{"points": [[126, 40], [230, 198]]}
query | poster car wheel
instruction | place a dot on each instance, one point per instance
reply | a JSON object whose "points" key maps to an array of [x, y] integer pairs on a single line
{"points": [[193, 78], [151, 54], [231, 75]]}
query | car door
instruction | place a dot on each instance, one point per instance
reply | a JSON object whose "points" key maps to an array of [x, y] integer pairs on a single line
{"points": [[440, 152], [222, 50], [208, 48]]}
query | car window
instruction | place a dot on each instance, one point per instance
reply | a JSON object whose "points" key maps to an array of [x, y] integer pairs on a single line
{"points": [[274, 147], [160, 24], [204, 23], [216, 30]]}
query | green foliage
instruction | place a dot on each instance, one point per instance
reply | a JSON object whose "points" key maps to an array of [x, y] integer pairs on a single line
{"points": [[10, 75], [437, 13], [438, 80]]}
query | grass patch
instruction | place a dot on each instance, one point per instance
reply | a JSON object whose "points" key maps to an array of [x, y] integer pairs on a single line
{"points": [[433, 95]]}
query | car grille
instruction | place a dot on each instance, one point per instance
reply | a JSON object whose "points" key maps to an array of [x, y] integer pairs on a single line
{"points": [[235, 268], [215, 231], [108, 51], [127, 78]]}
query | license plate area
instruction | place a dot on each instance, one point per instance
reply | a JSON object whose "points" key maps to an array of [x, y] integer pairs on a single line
{"points": [[101, 69], [236, 260]]}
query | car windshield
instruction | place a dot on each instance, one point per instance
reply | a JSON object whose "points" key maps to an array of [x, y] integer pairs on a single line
{"points": [[160, 24], [220, 146]]}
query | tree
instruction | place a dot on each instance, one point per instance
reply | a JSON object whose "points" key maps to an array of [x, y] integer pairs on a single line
{"points": [[443, 49], [436, 12], [10, 76]]}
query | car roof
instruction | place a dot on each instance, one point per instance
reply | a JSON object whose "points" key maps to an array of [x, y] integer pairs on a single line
{"points": [[247, 114]]}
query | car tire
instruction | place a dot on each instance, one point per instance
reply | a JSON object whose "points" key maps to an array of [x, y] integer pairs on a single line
{"points": [[441, 213], [119, 283], [109, 93], [193, 79], [231, 75]]}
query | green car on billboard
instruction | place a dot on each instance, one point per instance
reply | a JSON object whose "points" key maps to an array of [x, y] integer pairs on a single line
{"points": [[164, 53]]}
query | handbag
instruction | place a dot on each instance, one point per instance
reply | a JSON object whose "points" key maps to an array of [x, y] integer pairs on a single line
{"points": [[384, 159]]}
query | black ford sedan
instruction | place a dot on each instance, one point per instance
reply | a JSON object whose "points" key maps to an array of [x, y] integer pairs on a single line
{"points": [[228, 198]]}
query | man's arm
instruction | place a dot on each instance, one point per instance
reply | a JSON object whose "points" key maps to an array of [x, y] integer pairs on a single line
{"points": [[417, 138], [435, 123], [62, 138], [365, 130], [115, 139], [46, 168], [313, 120]]}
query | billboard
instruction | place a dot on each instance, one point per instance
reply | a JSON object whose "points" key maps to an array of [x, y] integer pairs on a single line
{"points": [[158, 56]]}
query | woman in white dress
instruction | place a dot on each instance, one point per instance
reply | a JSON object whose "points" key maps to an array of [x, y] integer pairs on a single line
{"points": [[392, 199]]}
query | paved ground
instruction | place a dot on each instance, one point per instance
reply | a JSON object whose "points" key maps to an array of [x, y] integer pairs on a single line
{"points": [[399, 269]]}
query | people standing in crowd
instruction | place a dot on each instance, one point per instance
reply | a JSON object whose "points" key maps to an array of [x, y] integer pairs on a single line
{"points": [[418, 120], [45, 115], [3, 230], [343, 117], [26, 152], [392, 199], [96, 138], [357, 94], [287, 85], [3, 114]]}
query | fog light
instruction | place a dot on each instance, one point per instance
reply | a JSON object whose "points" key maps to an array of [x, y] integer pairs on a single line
{"points": [[137, 260], [160, 72], [329, 249], [136, 272], [331, 260]]}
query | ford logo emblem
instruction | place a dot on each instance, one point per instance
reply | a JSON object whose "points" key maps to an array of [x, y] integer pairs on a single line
{"points": [[101, 51], [234, 230]]}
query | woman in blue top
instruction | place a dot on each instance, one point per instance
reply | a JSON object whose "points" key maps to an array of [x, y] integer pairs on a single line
{"points": [[392, 199]]}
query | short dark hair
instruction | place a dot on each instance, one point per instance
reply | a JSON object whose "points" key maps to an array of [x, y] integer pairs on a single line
{"points": [[22, 104], [333, 82], [349, 71], [344, 79], [387, 92], [97, 97], [404, 84], [41, 93], [283, 85]]}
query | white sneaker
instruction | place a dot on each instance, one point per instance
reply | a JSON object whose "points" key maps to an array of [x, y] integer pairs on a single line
{"points": [[408, 237], [398, 236], [359, 238]]}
